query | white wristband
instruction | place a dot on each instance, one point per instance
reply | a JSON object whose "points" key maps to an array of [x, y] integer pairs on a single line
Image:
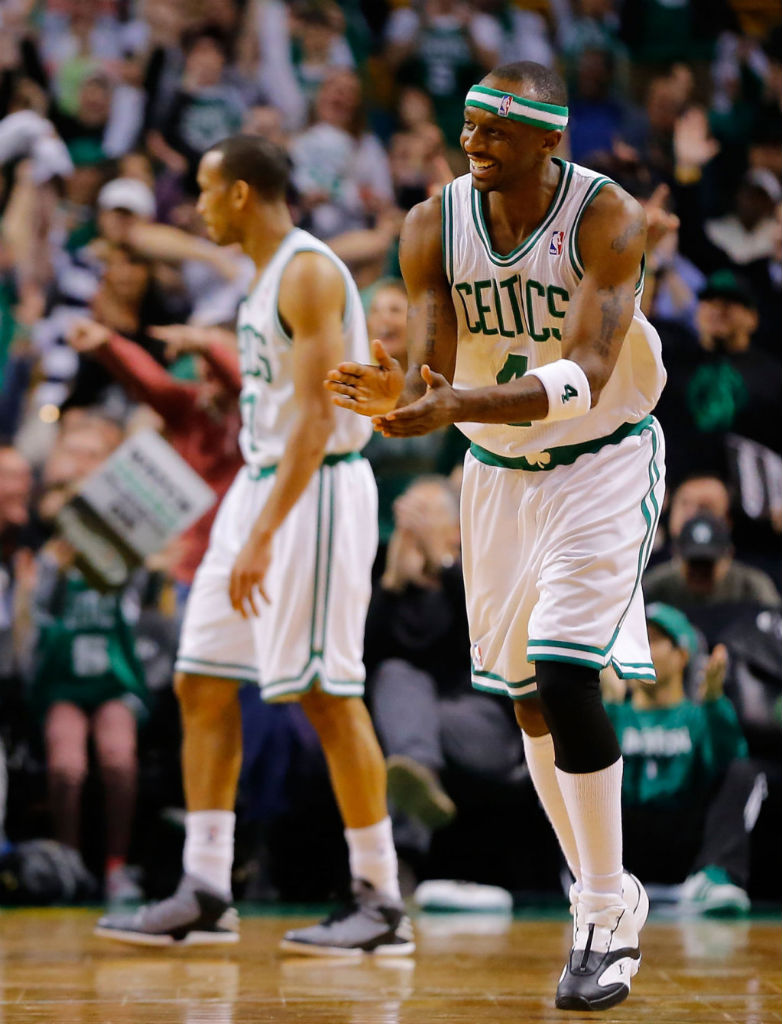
{"points": [[567, 387]]}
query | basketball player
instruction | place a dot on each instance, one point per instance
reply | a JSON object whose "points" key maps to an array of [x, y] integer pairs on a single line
{"points": [[282, 592], [525, 329]]}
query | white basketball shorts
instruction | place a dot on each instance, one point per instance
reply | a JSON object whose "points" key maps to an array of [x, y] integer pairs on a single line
{"points": [[553, 558], [319, 585]]}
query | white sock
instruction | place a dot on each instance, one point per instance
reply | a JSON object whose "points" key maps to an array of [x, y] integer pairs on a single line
{"points": [[594, 805], [373, 857], [539, 755], [209, 848]]}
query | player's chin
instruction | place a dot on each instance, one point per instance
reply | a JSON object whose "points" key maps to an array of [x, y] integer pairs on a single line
{"points": [[484, 182]]}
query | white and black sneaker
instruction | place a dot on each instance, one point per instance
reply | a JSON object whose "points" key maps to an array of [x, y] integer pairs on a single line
{"points": [[370, 923], [194, 916], [606, 954]]}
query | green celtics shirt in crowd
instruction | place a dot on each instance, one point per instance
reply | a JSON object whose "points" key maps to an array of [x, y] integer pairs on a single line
{"points": [[85, 652], [673, 755]]}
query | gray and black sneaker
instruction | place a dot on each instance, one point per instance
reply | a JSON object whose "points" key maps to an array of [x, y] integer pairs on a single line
{"points": [[370, 923], [194, 916], [606, 953]]}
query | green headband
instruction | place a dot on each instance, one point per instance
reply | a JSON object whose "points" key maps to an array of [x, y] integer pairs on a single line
{"points": [[516, 108]]}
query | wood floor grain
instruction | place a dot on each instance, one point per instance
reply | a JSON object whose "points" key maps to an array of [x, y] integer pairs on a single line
{"points": [[469, 969]]}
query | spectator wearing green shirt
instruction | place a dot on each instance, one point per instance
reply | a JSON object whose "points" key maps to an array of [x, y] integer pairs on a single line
{"points": [[690, 795]]}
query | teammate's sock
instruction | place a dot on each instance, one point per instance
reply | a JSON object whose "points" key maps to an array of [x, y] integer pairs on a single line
{"points": [[209, 848], [539, 755], [373, 857], [594, 806]]}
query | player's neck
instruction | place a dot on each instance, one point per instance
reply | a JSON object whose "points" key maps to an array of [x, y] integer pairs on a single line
{"points": [[264, 232], [513, 214]]}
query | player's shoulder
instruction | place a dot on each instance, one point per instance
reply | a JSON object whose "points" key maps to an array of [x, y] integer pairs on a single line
{"points": [[424, 218], [612, 221], [611, 203], [310, 262]]}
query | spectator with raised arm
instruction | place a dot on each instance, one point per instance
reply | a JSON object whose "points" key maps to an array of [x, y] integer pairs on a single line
{"points": [[340, 169], [442, 46], [205, 108], [85, 677], [200, 418]]}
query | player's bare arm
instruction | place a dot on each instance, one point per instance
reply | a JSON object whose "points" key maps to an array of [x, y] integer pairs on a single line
{"points": [[431, 326], [311, 306], [611, 242]]}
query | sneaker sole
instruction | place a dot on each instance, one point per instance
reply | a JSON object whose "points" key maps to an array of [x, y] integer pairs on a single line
{"points": [[415, 791], [191, 939], [308, 949]]}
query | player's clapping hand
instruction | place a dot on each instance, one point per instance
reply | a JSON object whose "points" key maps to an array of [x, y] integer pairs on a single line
{"points": [[87, 336], [437, 408], [248, 575], [367, 390]]}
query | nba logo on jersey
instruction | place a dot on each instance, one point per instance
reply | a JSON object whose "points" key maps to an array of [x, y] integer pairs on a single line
{"points": [[555, 245], [504, 108]]}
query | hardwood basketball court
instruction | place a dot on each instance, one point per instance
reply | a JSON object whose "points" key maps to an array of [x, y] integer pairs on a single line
{"points": [[468, 969]]}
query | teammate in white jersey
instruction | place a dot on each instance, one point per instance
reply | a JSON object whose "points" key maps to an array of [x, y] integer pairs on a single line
{"points": [[525, 330], [281, 595]]}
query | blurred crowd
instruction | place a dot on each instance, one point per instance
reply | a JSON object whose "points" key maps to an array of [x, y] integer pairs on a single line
{"points": [[117, 316]]}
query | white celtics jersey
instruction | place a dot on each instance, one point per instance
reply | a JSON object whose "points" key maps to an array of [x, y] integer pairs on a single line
{"points": [[266, 359], [510, 311]]}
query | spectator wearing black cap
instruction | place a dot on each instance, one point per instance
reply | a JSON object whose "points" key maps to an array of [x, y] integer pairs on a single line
{"points": [[704, 571], [690, 796], [719, 382]]}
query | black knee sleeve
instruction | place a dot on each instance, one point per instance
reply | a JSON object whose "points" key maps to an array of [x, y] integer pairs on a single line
{"points": [[584, 739]]}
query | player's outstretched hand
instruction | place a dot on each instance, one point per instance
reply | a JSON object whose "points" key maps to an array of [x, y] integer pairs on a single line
{"points": [[367, 390], [437, 408]]}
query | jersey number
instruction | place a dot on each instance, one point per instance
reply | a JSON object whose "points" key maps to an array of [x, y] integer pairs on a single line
{"points": [[515, 366]]}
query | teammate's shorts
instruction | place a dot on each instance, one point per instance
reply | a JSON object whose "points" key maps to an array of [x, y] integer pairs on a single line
{"points": [[553, 558], [318, 583]]}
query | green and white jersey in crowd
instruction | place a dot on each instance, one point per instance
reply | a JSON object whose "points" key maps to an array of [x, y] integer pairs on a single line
{"points": [[510, 310], [672, 755], [266, 358]]}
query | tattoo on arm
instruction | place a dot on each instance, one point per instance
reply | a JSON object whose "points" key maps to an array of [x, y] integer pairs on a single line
{"points": [[633, 230], [611, 308]]}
